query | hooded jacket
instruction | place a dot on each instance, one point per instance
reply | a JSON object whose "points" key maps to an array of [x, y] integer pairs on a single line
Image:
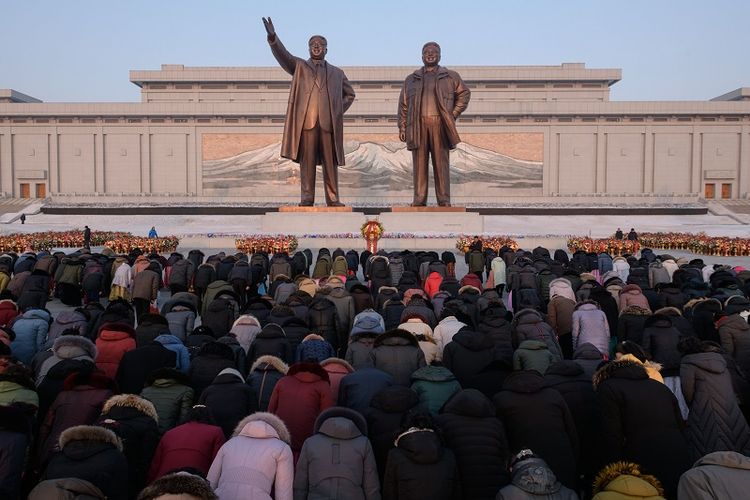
{"points": [[533, 479], [632, 295], [229, 399], [529, 325], [397, 353], [625, 480], [256, 462], [93, 454], [477, 438], [337, 369], [270, 341], [67, 347], [246, 328], [113, 341], [734, 333], [170, 392], [650, 436], [444, 331], [468, 354], [538, 417], [590, 326], [434, 385], [31, 333], [631, 323], [715, 422], [212, 358], [533, 355], [725, 474], [134, 420], [420, 466], [337, 462], [192, 444], [264, 374], [660, 340], [298, 399]]}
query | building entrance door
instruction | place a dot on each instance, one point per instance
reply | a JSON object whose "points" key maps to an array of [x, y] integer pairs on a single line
{"points": [[726, 191], [41, 190], [25, 190], [710, 191]]}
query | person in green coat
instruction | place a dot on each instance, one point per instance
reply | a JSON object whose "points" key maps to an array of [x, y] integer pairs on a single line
{"points": [[17, 386], [532, 355], [434, 385]]}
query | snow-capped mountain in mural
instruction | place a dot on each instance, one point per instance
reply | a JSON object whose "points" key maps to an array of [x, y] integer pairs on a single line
{"points": [[386, 166]]}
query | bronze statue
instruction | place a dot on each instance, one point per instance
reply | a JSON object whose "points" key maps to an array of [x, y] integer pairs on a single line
{"points": [[314, 125], [431, 100]]}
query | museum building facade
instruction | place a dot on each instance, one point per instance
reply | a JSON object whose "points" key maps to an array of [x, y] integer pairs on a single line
{"points": [[530, 132]]}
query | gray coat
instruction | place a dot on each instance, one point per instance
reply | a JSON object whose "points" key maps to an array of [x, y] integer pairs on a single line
{"points": [[715, 422], [533, 480], [724, 473], [590, 326], [397, 353], [337, 462]]}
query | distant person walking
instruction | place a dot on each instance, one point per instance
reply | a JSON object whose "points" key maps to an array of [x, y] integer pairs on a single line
{"points": [[632, 235], [86, 237], [152, 232], [23, 218]]}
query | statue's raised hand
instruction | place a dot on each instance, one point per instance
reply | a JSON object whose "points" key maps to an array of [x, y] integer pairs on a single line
{"points": [[270, 30]]}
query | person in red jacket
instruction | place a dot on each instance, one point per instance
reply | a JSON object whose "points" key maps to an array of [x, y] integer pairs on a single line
{"points": [[298, 399], [193, 444], [112, 342], [432, 283]]}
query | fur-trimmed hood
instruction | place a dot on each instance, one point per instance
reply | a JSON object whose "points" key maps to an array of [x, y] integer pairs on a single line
{"points": [[131, 401], [627, 479], [263, 425], [584, 305], [313, 336], [73, 346], [469, 289], [632, 288], [268, 362], [702, 301], [635, 311], [89, 433], [396, 337], [333, 422], [668, 311], [620, 368], [337, 362], [302, 368]]}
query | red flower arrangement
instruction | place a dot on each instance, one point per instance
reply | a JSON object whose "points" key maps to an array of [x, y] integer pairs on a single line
{"points": [[120, 242], [266, 243]]}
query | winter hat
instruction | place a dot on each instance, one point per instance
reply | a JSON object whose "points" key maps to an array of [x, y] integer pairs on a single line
{"points": [[368, 323], [180, 483], [335, 282]]}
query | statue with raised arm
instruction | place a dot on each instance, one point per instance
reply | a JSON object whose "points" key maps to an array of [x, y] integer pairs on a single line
{"points": [[431, 99], [314, 125]]}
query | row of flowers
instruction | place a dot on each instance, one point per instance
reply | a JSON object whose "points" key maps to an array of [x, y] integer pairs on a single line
{"points": [[120, 242], [493, 242], [699, 243], [266, 243]]}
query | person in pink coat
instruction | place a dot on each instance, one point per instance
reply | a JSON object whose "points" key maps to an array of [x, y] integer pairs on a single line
{"points": [[255, 462], [337, 369]]}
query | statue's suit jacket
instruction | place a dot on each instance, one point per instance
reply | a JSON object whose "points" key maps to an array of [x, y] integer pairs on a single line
{"points": [[340, 97], [452, 99]]}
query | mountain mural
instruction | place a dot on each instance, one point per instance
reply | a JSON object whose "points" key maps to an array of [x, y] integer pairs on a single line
{"points": [[383, 166]]}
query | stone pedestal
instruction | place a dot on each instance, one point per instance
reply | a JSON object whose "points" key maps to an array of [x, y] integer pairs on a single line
{"points": [[434, 220], [432, 210], [297, 209], [324, 220]]}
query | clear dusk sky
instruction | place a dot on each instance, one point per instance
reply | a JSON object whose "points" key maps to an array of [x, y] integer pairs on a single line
{"points": [[82, 50]]}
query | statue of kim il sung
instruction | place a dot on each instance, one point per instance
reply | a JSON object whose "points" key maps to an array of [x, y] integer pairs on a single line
{"points": [[314, 125]]}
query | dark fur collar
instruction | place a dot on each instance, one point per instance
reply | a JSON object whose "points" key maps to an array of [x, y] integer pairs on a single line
{"points": [[396, 333], [608, 370]]}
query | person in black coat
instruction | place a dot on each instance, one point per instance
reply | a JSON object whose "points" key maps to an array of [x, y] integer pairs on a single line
{"points": [[94, 454], [149, 327], [420, 466], [15, 438], [568, 378], [385, 416], [271, 341], [478, 440], [133, 419], [210, 360], [537, 417], [357, 389], [230, 399], [660, 341], [136, 365], [495, 322], [641, 422], [468, 353], [323, 320]]}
